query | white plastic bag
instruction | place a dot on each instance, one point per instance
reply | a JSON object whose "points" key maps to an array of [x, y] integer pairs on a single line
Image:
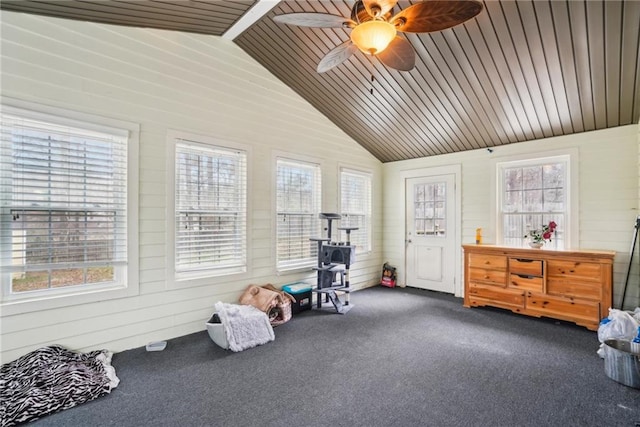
{"points": [[619, 325]]}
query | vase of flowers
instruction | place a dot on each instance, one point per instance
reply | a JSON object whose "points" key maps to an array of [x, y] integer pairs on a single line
{"points": [[538, 237]]}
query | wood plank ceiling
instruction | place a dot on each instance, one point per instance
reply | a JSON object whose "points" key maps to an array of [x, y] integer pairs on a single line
{"points": [[521, 70], [204, 16]]}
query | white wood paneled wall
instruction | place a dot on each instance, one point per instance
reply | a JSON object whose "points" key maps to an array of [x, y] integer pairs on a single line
{"points": [[167, 80], [207, 85], [608, 175]]}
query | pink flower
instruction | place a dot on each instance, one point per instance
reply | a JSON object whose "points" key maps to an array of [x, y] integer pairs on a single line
{"points": [[543, 234]]}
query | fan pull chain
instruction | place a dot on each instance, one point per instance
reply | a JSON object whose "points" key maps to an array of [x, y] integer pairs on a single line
{"points": [[371, 69]]}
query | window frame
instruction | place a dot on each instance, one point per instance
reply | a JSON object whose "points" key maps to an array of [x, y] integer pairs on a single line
{"points": [[197, 277], [570, 158], [368, 175], [301, 264], [126, 281]]}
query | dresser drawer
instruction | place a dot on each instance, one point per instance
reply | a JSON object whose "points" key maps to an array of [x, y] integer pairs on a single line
{"points": [[498, 262], [525, 282], [487, 295], [579, 311], [492, 277], [575, 269], [525, 266], [574, 288]]}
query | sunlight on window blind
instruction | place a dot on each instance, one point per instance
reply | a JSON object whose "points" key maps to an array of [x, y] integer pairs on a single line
{"points": [[298, 194], [355, 206], [211, 207], [64, 198]]}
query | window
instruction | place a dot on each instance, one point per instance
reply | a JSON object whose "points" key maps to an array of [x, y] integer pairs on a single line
{"points": [[298, 199], [64, 197], [430, 207], [532, 193], [355, 207], [210, 209]]}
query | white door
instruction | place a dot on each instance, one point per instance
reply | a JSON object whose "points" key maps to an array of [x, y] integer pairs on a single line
{"points": [[430, 232]]}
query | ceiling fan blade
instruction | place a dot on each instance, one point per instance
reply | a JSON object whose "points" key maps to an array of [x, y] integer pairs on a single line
{"points": [[435, 15], [320, 20], [337, 56], [379, 7], [399, 55]]}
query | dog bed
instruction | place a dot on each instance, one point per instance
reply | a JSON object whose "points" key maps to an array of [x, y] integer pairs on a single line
{"points": [[51, 379], [239, 327]]}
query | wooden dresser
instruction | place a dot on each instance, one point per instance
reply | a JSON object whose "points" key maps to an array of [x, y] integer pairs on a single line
{"points": [[569, 285]]}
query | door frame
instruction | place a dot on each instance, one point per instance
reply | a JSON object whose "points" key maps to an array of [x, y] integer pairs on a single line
{"points": [[456, 171]]}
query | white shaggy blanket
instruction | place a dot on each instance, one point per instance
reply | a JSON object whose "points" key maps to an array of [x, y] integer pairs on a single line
{"points": [[244, 326]]}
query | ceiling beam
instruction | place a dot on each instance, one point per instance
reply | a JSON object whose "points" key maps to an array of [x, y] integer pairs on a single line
{"points": [[257, 11]]}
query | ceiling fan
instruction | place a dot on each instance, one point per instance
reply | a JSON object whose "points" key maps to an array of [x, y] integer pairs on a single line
{"points": [[374, 28]]}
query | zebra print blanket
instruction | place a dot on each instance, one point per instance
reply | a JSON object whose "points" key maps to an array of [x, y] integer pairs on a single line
{"points": [[51, 379]]}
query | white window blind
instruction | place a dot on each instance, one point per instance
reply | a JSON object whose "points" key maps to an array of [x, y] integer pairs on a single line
{"points": [[355, 207], [298, 193], [532, 194], [64, 202], [210, 208]]}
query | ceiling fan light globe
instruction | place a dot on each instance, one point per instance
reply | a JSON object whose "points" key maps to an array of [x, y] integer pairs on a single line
{"points": [[372, 37]]}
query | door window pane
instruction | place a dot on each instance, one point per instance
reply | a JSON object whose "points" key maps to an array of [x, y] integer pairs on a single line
{"points": [[430, 209]]}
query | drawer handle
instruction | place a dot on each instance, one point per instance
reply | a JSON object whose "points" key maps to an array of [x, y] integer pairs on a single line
{"points": [[523, 260], [525, 276]]}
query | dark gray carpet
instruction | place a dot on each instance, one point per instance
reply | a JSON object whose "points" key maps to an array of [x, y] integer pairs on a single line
{"points": [[400, 357]]}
